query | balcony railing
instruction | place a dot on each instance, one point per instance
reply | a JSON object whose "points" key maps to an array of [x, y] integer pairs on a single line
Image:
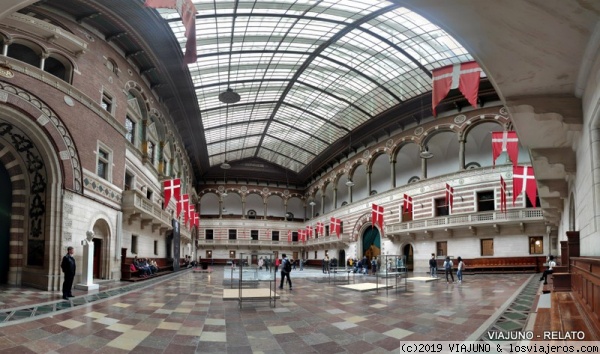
{"points": [[137, 206], [475, 219], [267, 243]]}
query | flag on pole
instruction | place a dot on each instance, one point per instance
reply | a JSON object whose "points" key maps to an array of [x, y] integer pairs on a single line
{"points": [[524, 181], [290, 236], [196, 221], [408, 204], [449, 197], [172, 188], [464, 76], [309, 231], [505, 141], [502, 195], [377, 215]]}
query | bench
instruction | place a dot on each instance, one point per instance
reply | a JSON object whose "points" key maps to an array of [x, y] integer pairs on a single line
{"points": [[530, 264], [165, 266]]}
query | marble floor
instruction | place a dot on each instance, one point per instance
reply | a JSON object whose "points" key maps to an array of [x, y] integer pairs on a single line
{"points": [[185, 313]]}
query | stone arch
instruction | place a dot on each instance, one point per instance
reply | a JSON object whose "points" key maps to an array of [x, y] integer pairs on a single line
{"points": [[103, 238], [28, 151]]}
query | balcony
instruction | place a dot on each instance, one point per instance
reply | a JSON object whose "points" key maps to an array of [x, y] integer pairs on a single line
{"points": [[137, 208], [468, 222], [48, 31], [245, 243]]}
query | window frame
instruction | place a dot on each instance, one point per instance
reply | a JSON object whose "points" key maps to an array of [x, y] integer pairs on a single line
{"points": [[441, 248], [108, 160], [274, 235], [133, 131], [490, 203], [107, 102], [134, 244], [209, 234], [532, 240]]}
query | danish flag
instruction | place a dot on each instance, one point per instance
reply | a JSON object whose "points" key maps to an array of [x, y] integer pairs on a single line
{"points": [[190, 214], [335, 227], [309, 231], [449, 197], [524, 181], [505, 141], [196, 221], [172, 187], [302, 235], [183, 206], [408, 204], [377, 215], [290, 236], [464, 76], [502, 195], [320, 228]]}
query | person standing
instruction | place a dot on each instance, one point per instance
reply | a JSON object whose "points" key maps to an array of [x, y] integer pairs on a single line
{"points": [[461, 267], [286, 269], [433, 266], [448, 268], [68, 267]]}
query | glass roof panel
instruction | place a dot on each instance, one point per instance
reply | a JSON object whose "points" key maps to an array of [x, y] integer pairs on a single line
{"points": [[298, 86]]}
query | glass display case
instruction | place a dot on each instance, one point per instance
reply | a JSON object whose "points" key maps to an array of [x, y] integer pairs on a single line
{"points": [[256, 277], [392, 268]]}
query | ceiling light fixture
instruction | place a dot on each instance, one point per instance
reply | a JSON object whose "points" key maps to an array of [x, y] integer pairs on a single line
{"points": [[425, 153], [229, 96], [349, 182], [312, 203]]}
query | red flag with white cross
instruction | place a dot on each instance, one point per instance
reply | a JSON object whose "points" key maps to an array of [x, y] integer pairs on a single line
{"points": [[172, 188], [449, 197], [524, 181], [463, 76], [377, 215], [505, 141]]}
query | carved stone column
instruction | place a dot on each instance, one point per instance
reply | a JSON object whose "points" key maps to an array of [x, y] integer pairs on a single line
{"points": [[87, 274]]}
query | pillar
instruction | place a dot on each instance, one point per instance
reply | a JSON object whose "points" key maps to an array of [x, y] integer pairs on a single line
{"points": [[87, 274], [393, 173], [334, 198], [461, 154]]}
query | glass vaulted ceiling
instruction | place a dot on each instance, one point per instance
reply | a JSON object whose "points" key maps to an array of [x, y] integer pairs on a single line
{"points": [[307, 71]]}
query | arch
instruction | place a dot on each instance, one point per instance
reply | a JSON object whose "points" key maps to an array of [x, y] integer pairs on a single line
{"points": [[209, 203], [36, 175], [102, 242], [26, 51], [328, 201], [370, 242], [295, 205], [443, 143], [380, 173], [408, 162], [275, 206], [407, 251], [6, 197]]}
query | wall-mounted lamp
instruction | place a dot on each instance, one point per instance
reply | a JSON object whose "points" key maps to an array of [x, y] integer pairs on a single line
{"points": [[312, 203], [349, 182], [421, 205], [461, 199]]}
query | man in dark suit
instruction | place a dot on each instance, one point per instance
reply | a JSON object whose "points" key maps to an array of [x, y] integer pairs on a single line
{"points": [[68, 267]]}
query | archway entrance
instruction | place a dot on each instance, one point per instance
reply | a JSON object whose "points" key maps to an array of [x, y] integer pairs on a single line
{"points": [[408, 252], [341, 258], [371, 243], [5, 212]]}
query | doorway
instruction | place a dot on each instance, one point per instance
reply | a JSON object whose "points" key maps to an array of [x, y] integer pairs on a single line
{"points": [[97, 258], [342, 258], [407, 251], [5, 212]]}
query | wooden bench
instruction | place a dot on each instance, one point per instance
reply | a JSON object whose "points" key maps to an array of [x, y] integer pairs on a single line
{"points": [[165, 266], [531, 264]]}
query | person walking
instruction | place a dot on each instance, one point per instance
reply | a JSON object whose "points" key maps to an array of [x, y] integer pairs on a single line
{"points": [[433, 266], [68, 267], [286, 269], [448, 268], [461, 267]]}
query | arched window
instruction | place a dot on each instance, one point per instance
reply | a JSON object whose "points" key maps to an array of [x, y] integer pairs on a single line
{"points": [[24, 53], [59, 67]]}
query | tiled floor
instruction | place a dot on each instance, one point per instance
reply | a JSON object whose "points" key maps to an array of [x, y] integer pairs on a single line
{"points": [[185, 313]]}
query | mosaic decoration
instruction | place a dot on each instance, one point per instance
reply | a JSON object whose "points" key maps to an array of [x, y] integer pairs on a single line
{"points": [[37, 175], [57, 125]]}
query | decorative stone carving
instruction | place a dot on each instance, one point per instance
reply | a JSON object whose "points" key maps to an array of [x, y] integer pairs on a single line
{"points": [[419, 131], [459, 119]]}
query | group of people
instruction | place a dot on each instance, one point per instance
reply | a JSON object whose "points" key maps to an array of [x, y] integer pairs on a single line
{"points": [[448, 268], [146, 267]]}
